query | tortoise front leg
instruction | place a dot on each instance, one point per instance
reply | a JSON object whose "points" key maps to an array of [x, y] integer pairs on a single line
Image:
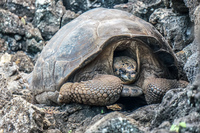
{"points": [[155, 88], [102, 90]]}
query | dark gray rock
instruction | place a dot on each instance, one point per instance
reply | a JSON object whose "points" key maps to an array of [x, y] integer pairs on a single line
{"points": [[177, 6], [31, 32], [16, 33], [197, 29], [192, 67], [33, 47], [22, 8], [164, 127], [141, 8], [10, 23], [192, 122], [3, 46], [175, 28], [8, 68], [14, 81], [72, 117], [12, 44], [177, 103], [5, 94], [189, 56], [192, 4], [174, 105], [183, 56], [144, 115], [19, 116], [13, 24], [84, 5], [115, 122], [48, 17]]}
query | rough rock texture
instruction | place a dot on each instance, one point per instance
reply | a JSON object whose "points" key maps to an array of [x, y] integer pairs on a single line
{"points": [[12, 24], [16, 114], [175, 28], [19, 116], [50, 15], [115, 123], [192, 122], [84, 5], [177, 6], [192, 67], [191, 4], [72, 117], [5, 94], [184, 54], [144, 115], [183, 6], [3, 46], [23, 62], [141, 8], [13, 82], [22, 8], [16, 33], [180, 107]]}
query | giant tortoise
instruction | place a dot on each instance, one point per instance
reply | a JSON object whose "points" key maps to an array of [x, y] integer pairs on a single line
{"points": [[102, 55]]}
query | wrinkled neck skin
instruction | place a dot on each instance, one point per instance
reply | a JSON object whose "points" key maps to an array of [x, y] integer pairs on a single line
{"points": [[103, 63]]}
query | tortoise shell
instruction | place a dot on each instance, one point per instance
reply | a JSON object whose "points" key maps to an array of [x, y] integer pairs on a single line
{"points": [[83, 39]]}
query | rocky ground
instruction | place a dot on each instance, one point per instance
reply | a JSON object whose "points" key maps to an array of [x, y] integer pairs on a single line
{"points": [[27, 25]]}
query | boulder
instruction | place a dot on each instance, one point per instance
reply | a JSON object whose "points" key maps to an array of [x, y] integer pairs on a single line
{"points": [[174, 27], [19, 116]]}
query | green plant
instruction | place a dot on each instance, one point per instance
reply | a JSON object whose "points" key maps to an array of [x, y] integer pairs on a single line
{"points": [[177, 127], [102, 111], [70, 131]]}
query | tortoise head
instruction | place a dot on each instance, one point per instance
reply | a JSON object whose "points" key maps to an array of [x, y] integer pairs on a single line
{"points": [[125, 68]]}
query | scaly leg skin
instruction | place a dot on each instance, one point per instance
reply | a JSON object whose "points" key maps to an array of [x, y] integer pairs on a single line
{"points": [[101, 91], [155, 88]]}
